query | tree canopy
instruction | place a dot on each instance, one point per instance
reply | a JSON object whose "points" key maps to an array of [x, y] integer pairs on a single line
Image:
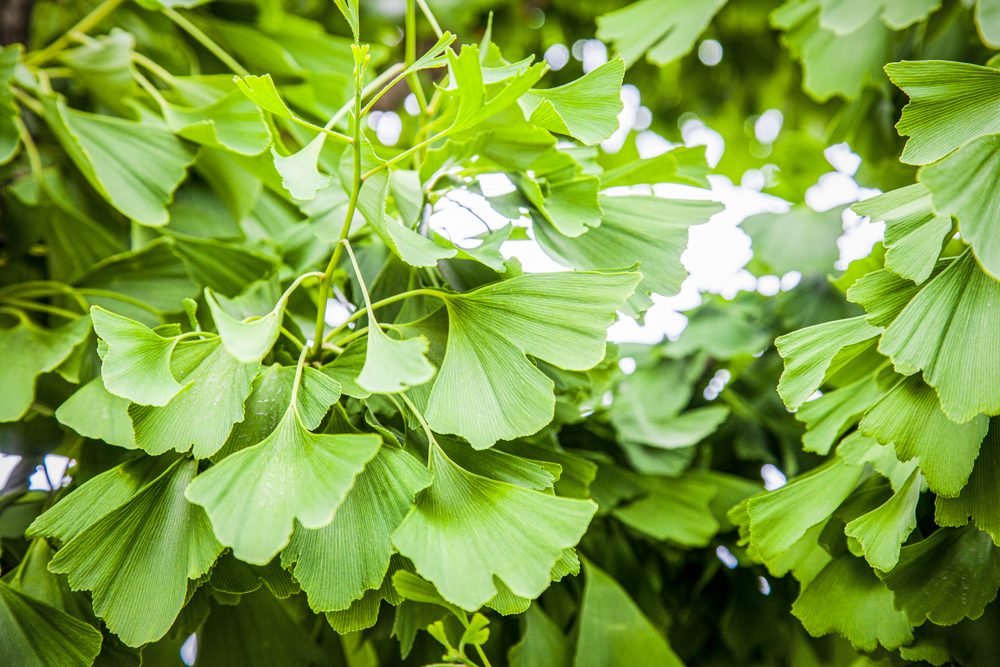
{"points": [[310, 419]]}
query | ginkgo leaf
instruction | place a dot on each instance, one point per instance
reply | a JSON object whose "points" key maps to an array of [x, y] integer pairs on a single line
{"points": [[829, 417], [978, 499], [882, 531], [962, 186], [475, 104], [814, 354], [337, 564], [104, 65], [542, 644], [914, 232], [664, 31], [858, 449], [299, 171], [951, 331], [137, 364], [884, 294], [910, 419], [951, 575], [410, 246], [613, 631], [262, 92], [683, 430], [682, 164], [500, 465], [465, 528], [845, 17], [249, 339], [233, 122], [201, 415], [779, 518], [390, 365], [848, 598], [950, 104], [492, 328], [571, 206], [674, 509], [363, 612], [801, 240], [135, 166], [833, 64], [291, 474], [34, 634], [137, 559], [347, 366], [586, 109], [30, 351], [650, 230], [94, 412], [487, 252], [9, 111], [268, 402], [98, 496]]}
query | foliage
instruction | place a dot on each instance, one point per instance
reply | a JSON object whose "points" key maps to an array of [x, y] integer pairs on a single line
{"points": [[456, 469]]}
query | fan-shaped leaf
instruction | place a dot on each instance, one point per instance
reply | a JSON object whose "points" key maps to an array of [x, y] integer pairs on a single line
{"points": [[137, 559], [465, 528], [951, 331], [233, 122], [665, 31], [337, 564], [951, 575], [135, 166], [586, 108], [29, 351], [882, 531], [94, 412], [33, 634], [978, 499]]}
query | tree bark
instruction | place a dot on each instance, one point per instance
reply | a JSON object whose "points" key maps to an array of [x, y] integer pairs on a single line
{"points": [[14, 16]]}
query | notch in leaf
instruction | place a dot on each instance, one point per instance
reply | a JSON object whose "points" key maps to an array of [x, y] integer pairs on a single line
{"points": [[254, 496]]}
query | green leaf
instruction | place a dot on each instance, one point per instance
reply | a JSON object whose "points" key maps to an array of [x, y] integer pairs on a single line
{"points": [[233, 122], [801, 240], [814, 354], [299, 171], [466, 529], [34, 634], [134, 166], [30, 351], [410, 246], [946, 332], [486, 253], [910, 419], [9, 111], [951, 575], [249, 339], [845, 17], [201, 415], [94, 412], [104, 66], [475, 103], [561, 318], [258, 632], [613, 631], [977, 499], [847, 598], [914, 233], [951, 103], [962, 186], [650, 230], [675, 509], [363, 612], [884, 529], [337, 564], [542, 644], [137, 364], [291, 474], [586, 108], [675, 432], [858, 449], [93, 500], [829, 417], [682, 164], [833, 64], [137, 559], [153, 274], [262, 92], [664, 31], [779, 518], [347, 366], [349, 8], [883, 294]]}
